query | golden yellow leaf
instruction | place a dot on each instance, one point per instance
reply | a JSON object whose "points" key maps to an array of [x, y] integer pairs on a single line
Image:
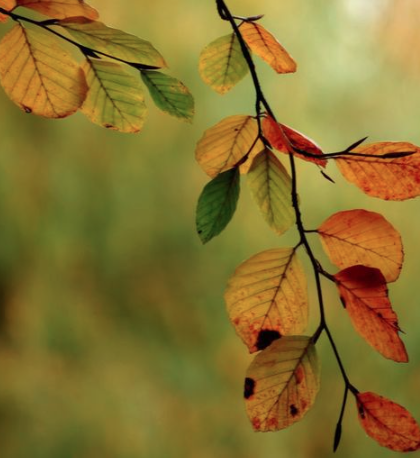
{"points": [[224, 145], [266, 298], [60, 9], [7, 5], [40, 76], [282, 383], [265, 45], [362, 237]]}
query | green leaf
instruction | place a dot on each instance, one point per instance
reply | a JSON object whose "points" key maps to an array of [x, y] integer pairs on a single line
{"points": [[222, 64], [271, 187], [217, 204], [169, 94], [115, 99], [113, 42]]}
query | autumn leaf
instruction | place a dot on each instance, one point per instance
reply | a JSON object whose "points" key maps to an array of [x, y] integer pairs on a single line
{"points": [[388, 423], [222, 64], [217, 204], [40, 76], [265, 45], [364, 294], [115, 99], [390, 179], [266, 298], [271, 187], [169, 94], [284, 139], [7, 5], [245, 167], [113, 42], [362, 237], [224, 145], [60, 9], [282, 383]]}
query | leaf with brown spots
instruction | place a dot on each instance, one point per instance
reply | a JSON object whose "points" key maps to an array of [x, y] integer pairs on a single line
{"points": [[364, 293], [267, 298], [284, 139], [388, 423], [266, 46], [39, 75], [392, 178], [282, 383], [60, 9], [362, 237], [7, 5], [226, 144]]}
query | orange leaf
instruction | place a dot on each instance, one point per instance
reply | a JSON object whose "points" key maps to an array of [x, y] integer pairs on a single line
{"points": [[388, 423], [265, 45], [361, 237], [281, 136], [364, 294], [389, 179], [7, 5], [60, 9]]}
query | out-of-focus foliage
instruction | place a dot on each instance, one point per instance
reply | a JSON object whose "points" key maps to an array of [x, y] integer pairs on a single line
{"points": [[114, 336]]}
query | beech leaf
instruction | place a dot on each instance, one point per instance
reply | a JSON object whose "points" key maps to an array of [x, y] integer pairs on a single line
{"points": [[389, 179], [388, 423], [222, 64], [7, 5], [362, 237], [217, 204], [364, 294], [60, 9], [226, 144], [39, 75], [271, 187], [266, 298], [266, 46], [282, 383]]}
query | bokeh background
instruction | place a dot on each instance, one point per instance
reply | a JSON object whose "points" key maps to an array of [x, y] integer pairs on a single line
{"points": [[114, 340]]}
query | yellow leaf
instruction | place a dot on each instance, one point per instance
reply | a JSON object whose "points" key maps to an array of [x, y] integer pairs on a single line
{"points": [[245, 167], [267, 298], [115, 99], [40, 76], [7, 5], [282, 383], [60, 9], [271, 187], [265, 45], [226, 144]]}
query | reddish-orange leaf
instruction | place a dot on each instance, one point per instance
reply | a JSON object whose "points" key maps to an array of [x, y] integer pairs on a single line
{"points": [[265, 45], [7, 5], [281, 136], [60, 9], [395, 178], [361, 237], [364, 293], [388, 423]]}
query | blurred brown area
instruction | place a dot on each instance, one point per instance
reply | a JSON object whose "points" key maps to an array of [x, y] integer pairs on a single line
{"points": [[114, 340]]}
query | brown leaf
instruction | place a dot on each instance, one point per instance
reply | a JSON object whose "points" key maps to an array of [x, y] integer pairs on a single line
{"points": [[364, 293], [388, 423], [60, 9]]}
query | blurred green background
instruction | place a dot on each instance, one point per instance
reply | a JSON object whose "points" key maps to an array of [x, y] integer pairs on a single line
{"points": [[114, 340]]}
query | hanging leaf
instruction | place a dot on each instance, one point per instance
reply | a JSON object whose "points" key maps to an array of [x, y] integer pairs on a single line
{"points": [[362, 237], [217, 204], [257, 149], [113, 42], [7, 5], [226, 144], [395, 178], [271, 187], [265, 45], [282, 383], [222, 64], [169, 94], [281, 136], [40, 76], [115, 99], [388, 423], [364, 294], [266, 298], [60, 9]]}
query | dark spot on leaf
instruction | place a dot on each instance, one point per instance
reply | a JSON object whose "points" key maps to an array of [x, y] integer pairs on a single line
{"points": [[27, 109], [200, 231], [293, 410], [361, 411], [380, 315], [266, 337], [249, 387], [343, 301], [108, 126]]}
